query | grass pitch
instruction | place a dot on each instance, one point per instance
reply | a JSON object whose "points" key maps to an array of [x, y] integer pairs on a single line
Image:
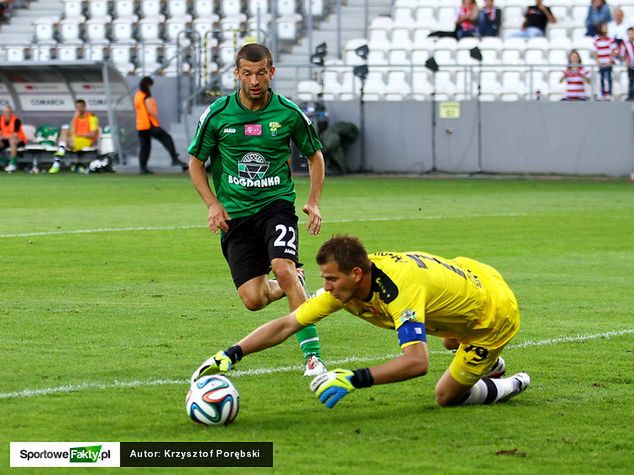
{"points": [[112, 291]]}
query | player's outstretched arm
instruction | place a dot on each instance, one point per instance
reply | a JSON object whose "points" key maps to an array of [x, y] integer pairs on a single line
{"points": [[317, 172], [268, 335]]}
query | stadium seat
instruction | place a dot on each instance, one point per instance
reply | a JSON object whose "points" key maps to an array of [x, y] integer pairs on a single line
{"points": [[69, 52], [401, 38], [578, 14], [398, 60], [512, 83], [230, 7], [95, 29], [422, 40], [173, 26], [463, 57], [308, 90], [44, 29], [177, 9], [558, 57], [378, 38], [148, 56], [16, 52], [491, 42], [444, 57], [149, 29], [445, 86], [121, 56], [98, 9], [122, 29], [419, 56], [350, 86], [315, 7], [258, 7], [232, 26], [258, 27], [286, 7], [422, 87], [490, 56], [227, 52], [43, 51], [151, 9], [287, 27], [125, 9], [425, 18], [534, 56], [205, 26], [73, 8], [204, 9], [446, 18], [397, 88], [403, 18], [377, 58], [69, 30], [96, 51], [228, 80]]}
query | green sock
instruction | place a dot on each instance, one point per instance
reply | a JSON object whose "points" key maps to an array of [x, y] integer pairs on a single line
{"points": [[309, 341], [13, 161]]}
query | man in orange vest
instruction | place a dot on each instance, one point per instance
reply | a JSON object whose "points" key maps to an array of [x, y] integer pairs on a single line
{"points": [[83, 133], [148, 127], [11, 136]]}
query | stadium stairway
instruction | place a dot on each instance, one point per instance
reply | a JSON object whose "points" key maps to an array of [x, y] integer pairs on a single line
{"points": [[20, 29], [325, 31]]}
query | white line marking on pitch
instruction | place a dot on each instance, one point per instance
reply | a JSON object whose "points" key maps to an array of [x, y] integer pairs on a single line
{"points": [[69, 388], [199, 226]]}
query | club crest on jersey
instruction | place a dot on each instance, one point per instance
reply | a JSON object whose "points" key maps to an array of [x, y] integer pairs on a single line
{"points": [[253, 129], [252, 166], [273, 126]]}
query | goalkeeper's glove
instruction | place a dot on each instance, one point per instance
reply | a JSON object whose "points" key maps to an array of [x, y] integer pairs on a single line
{"points": [[221, 362], [334, 385]]}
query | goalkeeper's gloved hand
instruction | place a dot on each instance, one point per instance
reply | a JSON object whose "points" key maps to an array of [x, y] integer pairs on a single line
{"points": [[333, 386], [221, 362]]}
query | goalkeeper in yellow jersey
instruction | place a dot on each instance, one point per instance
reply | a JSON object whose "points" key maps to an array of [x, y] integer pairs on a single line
{"points": [[465, 302]]}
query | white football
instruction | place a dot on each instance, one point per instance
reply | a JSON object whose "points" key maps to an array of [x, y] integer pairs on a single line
{"points": [[212, 400]]}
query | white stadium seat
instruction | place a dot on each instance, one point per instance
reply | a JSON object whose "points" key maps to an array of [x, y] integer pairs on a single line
{"points": [[232, 26], [98, 9], [122, 29], [148, 56], [425, 18], [308, 90], [204, 26], [230, 7], [177, 8], [258, 7], [286, 7], [401, 39], [151, 9], [287, 27], [69, 30], [173, 26], [96, 29], [95, 51], [124, 9], [43, 51], [149, 29], [121, 56], [315, 7], [44, 28], [73, 8], [203, 8], [69, 52]]}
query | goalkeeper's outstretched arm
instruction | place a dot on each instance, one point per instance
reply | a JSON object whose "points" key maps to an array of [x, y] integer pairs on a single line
{"points": [[270, 334]]}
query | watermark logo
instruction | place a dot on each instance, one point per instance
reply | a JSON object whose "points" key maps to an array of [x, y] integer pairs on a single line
{"points": [[89, 454]]}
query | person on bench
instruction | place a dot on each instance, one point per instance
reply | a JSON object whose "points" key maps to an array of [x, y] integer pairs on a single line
{"points": [[11, 136], [83, 133]]}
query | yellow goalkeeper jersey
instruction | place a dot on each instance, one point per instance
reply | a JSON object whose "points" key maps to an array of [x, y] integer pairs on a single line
{"points": [[459, 298]]}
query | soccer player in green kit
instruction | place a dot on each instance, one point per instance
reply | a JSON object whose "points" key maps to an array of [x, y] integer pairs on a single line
{"points": [[247, 135]]}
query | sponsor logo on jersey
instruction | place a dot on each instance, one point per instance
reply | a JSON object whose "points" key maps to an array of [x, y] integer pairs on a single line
{"points": [[252, 169], [253, 129], [229, 130], [273, 126], [407, 315]]}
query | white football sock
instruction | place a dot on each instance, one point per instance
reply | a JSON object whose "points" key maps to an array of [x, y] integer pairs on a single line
{"points": [[488, 391]]}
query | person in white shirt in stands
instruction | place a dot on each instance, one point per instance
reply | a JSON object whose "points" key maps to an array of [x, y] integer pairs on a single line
{"points": [[617, 28]]}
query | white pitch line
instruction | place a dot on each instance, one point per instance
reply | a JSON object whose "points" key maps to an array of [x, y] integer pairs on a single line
{"points": [[69, 388], [200, 226]]}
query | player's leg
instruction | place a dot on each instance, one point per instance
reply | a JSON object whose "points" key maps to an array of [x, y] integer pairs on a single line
{"points": [[168, 143], [145, 147], [258, 292], [282, 240], [467, 379], [13, 158]]}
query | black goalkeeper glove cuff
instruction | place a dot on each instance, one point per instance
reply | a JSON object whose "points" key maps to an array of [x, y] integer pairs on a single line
{"points": [[362, 378], [234, 353]]}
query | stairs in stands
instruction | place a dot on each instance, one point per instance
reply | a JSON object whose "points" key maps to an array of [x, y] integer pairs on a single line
{"points": [[353, 25], [20, 28]]}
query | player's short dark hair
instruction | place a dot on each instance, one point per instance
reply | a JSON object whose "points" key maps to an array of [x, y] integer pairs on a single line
{"points": [[347, 251], [80, 101], [254, 52]]}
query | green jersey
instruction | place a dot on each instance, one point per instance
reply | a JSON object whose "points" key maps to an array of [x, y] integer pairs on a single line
{"points": [[249, 150]]}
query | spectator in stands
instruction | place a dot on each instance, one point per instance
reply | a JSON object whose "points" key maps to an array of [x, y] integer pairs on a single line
{"points": [[148, 127], [604, 53], [467, 19], [576, 77], [598, 12], [489, 19], [626, 52], [535, 20], [82, 133], [617, 28], [11, 137], [4, 10]]}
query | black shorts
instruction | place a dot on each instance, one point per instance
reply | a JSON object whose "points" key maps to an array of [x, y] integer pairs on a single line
{"points": [[252, 242]]}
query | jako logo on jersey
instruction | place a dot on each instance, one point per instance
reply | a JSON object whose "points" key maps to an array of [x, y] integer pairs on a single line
{"points": [[229, 130], [253, 129]]}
